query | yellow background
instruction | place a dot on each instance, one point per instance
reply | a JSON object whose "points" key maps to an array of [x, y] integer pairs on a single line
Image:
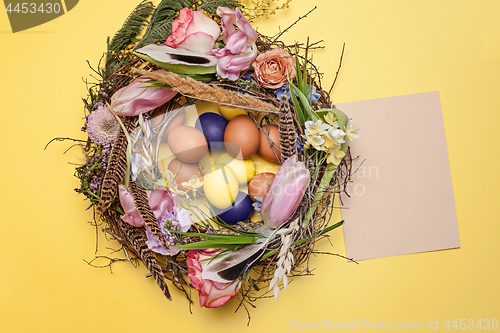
{"points": [[392, 48]]}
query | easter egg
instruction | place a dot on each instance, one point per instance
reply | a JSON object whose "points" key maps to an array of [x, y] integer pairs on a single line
{"points": [[212, 125], [269, 146], [242, 137], [240, 210], [176, 121], [220, 186], [187, 144], [230, 112], [244, 169], [264, 165], [183, 172], [260, 184]]}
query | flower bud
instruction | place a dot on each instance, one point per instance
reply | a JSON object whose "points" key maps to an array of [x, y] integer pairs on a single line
{"points": [[285, 193]]}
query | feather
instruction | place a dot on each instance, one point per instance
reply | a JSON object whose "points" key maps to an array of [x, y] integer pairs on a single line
{"points": [[138, 242], [141, 202], [232, 265], [178, 60], [115, 170], [287, 133]]}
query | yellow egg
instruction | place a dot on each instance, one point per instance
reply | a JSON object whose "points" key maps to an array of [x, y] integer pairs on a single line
{"points": [[230, 112], [263, 165], [244, 169], [195, 110], [203, 107], [209, 160], [221, 186]]}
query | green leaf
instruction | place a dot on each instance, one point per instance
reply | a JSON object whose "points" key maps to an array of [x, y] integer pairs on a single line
{"points": [[304, 102], [127, 35]]}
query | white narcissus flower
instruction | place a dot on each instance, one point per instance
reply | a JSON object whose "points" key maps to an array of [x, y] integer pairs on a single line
{"points": [[331, 119], [336, 155], [314, 128], [352, 132], [337, 135], [314, 140]]}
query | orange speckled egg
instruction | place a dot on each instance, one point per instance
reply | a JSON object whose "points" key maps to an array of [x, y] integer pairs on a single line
{"points": [[260, 184], [183, 171], [187, 143], [270, 147], [242, 135]]}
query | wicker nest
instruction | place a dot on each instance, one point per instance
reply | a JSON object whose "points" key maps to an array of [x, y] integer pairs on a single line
{"points": [[106, 168]]}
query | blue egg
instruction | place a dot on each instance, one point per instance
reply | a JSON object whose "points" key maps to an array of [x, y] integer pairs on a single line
{"points": [[213, 126], [240, 210]]}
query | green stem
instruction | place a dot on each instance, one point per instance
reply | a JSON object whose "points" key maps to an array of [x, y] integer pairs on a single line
{"points": [[322, 188]]}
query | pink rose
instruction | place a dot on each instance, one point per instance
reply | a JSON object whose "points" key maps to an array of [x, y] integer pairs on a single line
{"points": [[240, 49], [212, 294], [193, 31], [273, 67], [137, 98]]}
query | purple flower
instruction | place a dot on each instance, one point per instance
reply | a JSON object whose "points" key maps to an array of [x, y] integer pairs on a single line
{"points": [[164, 205], [312, 96]]}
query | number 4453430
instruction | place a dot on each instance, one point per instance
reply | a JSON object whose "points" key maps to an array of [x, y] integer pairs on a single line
{"points": [[25, 8], [472, 324]]}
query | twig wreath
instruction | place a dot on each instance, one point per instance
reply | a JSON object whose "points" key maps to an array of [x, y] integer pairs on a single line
{"points": [[213, 153]]}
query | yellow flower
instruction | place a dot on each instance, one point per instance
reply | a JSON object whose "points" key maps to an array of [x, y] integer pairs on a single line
{"points": [[328, 141], [315, 128], [336, 155], [337, 135], [193, 183], [331, 118], [352, 132], [168, 177], [314, 140]]}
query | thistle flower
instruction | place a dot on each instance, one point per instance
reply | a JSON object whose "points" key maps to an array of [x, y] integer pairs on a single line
{"points": [[102, 126]]}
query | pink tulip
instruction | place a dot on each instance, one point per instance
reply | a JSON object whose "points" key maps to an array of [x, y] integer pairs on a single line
{"points": [[137, 98], [240, 49], [193, 31], [285, 193], [131, 215], [212, 294], [161, 200]]}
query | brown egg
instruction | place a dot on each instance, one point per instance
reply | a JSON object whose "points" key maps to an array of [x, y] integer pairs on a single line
{"points": [[260, 184], [183, 171], [265, 150], [178, 120], [187, 143], [242, 135]]}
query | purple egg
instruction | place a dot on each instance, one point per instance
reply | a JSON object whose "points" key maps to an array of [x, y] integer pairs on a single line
{"points": [[213, 126], [240, 210]]}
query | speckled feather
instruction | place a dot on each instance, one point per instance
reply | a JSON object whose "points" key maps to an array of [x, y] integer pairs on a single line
{"points": [[138, 242], [142, 205], [115, 171], [288, 136]]}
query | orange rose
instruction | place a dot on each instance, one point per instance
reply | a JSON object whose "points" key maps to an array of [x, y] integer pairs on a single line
{"points": [[273, 67]]}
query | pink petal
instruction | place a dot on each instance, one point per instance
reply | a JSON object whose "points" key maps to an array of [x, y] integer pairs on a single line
{"points": [[198, 42]]}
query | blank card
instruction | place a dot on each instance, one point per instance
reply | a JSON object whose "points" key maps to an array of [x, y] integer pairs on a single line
{"points": [[401, 196]]}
